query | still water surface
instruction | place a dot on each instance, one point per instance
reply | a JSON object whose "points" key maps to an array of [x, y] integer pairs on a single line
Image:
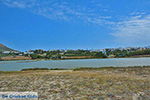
{"points": [[116, 62]]}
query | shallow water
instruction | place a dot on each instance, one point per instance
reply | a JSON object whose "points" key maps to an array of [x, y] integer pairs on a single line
{"points": [[116, 62]]}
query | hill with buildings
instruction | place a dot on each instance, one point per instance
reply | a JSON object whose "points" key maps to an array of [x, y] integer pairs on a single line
{"points": [[7, 53]]}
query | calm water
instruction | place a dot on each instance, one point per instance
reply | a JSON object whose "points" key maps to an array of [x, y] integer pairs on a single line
{"points": [[116, 62]]}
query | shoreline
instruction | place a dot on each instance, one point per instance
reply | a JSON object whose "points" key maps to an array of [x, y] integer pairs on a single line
{"points": [[77, 69], [76, 58]]}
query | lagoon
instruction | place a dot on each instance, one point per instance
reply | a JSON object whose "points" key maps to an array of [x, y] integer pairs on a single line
{"points": [[69, 64]]}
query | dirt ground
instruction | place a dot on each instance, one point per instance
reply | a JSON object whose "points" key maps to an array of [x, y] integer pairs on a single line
{"points": [[81, 84]]}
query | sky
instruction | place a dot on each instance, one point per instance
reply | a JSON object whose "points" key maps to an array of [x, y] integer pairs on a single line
{"points": [[74, 24]]}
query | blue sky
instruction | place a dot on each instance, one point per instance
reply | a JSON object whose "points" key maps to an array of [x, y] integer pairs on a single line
{"points": [[74, 24]]}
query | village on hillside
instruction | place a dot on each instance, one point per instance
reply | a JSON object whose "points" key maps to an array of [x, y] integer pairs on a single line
{"points": [[10, 54]]}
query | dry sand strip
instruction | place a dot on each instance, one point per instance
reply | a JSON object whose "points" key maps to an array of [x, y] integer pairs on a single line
{"points": [[82, 84]]}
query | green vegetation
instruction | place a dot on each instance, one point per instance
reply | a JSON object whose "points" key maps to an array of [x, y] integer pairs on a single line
{"points": [[9, 54], [34, 69], [91, 68], [62, 54], [77, 54], [30, 69], [107, 53], [129, 53], [109, 68], [140, 52], [86, 68]]}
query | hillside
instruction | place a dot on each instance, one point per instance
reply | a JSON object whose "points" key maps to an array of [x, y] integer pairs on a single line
{"points": [[5, 48]]}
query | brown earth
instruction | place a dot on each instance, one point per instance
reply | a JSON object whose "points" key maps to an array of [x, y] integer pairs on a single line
{"points": [[77, 57], [81, 84], [15, 58]]}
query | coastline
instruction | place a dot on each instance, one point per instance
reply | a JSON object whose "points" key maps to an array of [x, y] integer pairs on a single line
{"points": [[77, 58], [77, 69]]}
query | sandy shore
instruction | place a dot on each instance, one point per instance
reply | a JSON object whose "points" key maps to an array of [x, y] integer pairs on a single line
{"points": [[82, 84]]}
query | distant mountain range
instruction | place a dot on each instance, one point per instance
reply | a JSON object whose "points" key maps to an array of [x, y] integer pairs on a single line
{"points": [[5, 48]]}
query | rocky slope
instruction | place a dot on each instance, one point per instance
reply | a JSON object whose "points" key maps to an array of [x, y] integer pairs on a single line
{"points": [[5, 48]]}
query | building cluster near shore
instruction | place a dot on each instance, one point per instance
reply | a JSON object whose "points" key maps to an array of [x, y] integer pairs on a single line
{"points": [[74, 54]]}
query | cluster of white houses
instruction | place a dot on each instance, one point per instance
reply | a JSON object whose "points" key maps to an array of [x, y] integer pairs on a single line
{"points": [[91, 50], [17, 52], [9, 52]]}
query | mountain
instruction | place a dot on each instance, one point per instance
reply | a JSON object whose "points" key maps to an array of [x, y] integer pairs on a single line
{"points": [[5, 48]]}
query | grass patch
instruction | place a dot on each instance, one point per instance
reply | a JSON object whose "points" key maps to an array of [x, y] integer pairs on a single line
{"points": [[109, 68], [9, 72], [91, 68], [35, 69], [31, 69]]}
